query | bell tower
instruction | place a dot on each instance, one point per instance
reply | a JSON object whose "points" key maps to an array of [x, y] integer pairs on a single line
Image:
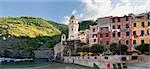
{"points": [[73, 28]]}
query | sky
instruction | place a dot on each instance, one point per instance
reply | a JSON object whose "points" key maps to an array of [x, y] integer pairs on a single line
{"points": [[60, 10]]}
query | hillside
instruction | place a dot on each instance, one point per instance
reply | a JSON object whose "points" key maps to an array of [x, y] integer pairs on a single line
{"points": [[23, 35], [28, 27]]}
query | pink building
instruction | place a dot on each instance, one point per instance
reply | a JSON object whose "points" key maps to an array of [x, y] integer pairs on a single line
{"points": [[104, 34], [121, 30], [93, 35]]}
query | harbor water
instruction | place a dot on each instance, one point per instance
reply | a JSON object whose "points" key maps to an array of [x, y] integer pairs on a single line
{"points": [[38, 64]]}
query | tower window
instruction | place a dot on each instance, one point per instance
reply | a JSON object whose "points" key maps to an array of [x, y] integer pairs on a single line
{"points": [[148, 23], [72, 29]]}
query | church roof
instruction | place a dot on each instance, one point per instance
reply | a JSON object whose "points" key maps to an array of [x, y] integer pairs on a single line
{"points": [[73, 17]]}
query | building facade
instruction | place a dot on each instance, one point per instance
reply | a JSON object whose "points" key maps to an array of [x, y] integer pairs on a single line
{"points": [[84, 36], [104, 33], [140, 29], [121, 30], [93, 37], [73, 28]]}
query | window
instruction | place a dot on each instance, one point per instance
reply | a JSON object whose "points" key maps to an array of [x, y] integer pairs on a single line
{"points": [[127, 42], [101, 29], [134, 24], [94, 40], [113, 26], [134, 32], [113, 34], [127, 19], [106, 34], [118, 26], [118, 19], [142, 41], [107, 42], [72, 29], [147, 32], [142, 32], [127, 34], [107, 28], [127, 25], [118, 34], [113, 20], [101, 35], [94, 35], [119, 42], [93, 29], [142, 24], [134, 41], [148, 23]]}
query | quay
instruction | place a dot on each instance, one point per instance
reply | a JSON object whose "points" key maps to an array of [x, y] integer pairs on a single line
{"points": [[114, 61]]}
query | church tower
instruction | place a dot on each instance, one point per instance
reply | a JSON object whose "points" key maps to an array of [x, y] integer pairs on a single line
{"points": [[73, 28]]}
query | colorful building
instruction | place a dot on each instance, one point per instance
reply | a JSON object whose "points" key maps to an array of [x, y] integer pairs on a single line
{"points": [[104, 33], [131, 30], [140, 29], [121, 30], [84, 36], [93, 37]]}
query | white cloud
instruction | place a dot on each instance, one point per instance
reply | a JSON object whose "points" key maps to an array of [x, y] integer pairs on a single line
{"points": [[65, 20], [74, 12], [100, 8], [94, 9]]}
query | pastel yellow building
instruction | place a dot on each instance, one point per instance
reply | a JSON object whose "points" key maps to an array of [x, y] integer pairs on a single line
{"points": [[140, 30]]}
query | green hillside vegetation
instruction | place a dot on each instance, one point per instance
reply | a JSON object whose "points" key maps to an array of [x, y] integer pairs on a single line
{"points": [[28, 27], [26, 34], [86, 24]]}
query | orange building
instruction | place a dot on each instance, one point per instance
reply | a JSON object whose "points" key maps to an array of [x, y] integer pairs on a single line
{"points": [[140, 30]]}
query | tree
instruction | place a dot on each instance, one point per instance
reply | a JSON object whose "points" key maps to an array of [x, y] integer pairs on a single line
{"points": [[114, 47], [124, 49], [144, 48], [84, 49], [97, 48]]}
